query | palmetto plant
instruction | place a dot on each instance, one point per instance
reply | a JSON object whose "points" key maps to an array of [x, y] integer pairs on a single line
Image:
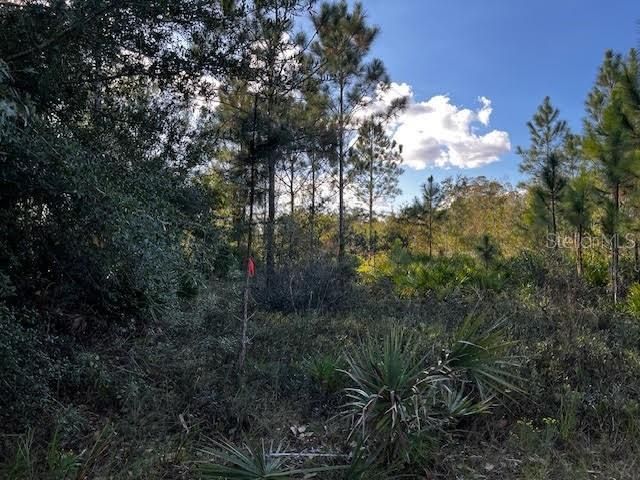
{"points": [[385, 401], [479, 357], [228, 461], [399, 392], [366, 467]]}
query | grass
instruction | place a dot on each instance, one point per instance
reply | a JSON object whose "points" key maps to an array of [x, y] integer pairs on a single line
{"points": [[164, 393]]}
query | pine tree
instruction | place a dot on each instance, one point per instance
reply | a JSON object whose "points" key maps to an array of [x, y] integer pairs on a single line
{"points": [[578, 207], [608, 141], [279, 69], [629, 87], [536, 215], [544, 161], [433, 199], [293, 177], [428, 210], [376, 160], [487, 250], [573, 155], [238, 121], [313, 149], [344, 41]]}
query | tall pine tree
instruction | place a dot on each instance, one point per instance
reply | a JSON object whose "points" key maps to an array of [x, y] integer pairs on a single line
{"points": [[376, 168], [544, 161], [344, 41], [609, 142]]}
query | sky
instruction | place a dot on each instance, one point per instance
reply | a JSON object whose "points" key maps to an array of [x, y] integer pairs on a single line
{"points": [[476, 71]]}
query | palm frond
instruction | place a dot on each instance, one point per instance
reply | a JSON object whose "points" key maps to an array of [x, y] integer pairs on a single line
{"points": [[481, 356]]}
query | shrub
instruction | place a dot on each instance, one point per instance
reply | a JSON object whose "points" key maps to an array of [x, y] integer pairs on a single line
{"points": [[319, 284], [251, 463], [481, 356], [633, 300], [385, 400], [398, 393], [376, 269], [247, 463], [417, 277], [568, 417], [28, 371], [54, 462], [596, 270], [438, 275], [323, 369], [493, 279]]}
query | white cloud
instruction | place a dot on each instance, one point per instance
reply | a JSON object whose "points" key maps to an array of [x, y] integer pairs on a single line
{"points": [[383, 99], [438, 133], [485, 112]]}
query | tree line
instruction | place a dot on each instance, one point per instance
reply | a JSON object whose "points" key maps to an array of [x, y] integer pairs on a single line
{"points": [[147, 147], [587, 183]]}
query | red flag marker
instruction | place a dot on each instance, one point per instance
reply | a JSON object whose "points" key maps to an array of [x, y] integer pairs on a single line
{"points": [[251, 267]]}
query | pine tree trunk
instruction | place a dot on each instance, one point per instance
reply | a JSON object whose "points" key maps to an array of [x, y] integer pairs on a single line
{"points": [[636, 258], [370, 196], [341, 242], [553, 220], [615, 250], [579, 253], [244, 339], [247, 281], [241, 221], [292, 191], [614, 269], [430, 233], [370, 225], [292, 199], [271, 216], [554, 228], [430, 220], [312, 213]]}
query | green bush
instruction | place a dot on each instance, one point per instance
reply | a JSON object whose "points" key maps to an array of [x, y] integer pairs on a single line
{"points": [[316, 284], [596, 270], [30, 461], [99, 217], [385, 399], [324, 371], [398, 393], [568, 417], [438, 275], [482, 355], [28, 372], [633, 300], [416, 276]]}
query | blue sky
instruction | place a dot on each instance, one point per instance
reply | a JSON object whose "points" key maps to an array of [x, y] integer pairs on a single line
{"points": [[511, 52]]}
